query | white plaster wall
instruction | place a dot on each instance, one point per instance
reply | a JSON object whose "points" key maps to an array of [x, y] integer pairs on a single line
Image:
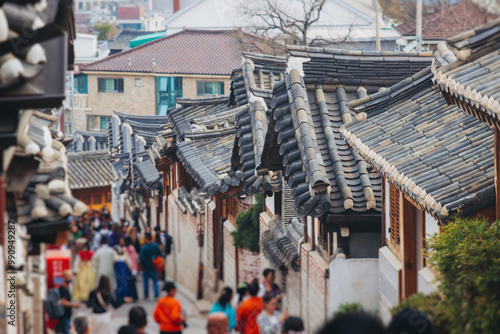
{"points": [[85, 45], [431, 225], [336, 17], [388, 273], [354, 281], [270, 204]]}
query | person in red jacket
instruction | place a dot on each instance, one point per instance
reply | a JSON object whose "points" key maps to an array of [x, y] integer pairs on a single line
{"points": [[168, 311], [247, 313]]}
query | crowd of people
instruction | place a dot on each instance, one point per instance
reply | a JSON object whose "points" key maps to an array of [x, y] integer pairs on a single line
{"points": [[108, 257]]}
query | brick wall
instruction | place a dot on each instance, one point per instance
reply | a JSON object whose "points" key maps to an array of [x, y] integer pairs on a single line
{"points": [[250, 265]]}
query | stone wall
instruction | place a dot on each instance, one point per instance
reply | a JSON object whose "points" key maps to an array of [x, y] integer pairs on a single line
{"points": [[182, 263]]}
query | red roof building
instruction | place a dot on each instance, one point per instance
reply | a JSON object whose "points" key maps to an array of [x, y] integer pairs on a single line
{"points": [[208, 52], [448, 22]]}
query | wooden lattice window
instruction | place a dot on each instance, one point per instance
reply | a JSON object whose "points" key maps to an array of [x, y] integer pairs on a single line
{"points": [[394, 214]]}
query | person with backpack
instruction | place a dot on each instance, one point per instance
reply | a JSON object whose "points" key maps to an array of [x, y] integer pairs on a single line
{"points": [[64, 321], [100, 300]]}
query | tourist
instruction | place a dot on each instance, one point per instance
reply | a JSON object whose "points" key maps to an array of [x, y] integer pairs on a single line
{"points": [[143, 238], [115, 235], [81, 325], [270, 320], [125, 286], [99, 300], [353, 322], [168, 311], [103, 263], [84, 281], [149, 251], [410, 321], [268, 287], [127, 329], [247, 313], [293, 325], [241, 295], [223, 305], [103, 232], [131, 252], [63, 322], [133, 234], [137, 318], [217, 323]]}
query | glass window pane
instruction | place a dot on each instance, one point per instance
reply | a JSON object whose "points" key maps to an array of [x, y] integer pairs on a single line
{"points": [[163, 83], [93, 123], [104, 123], [209, 88], [199, 88], [110, 85], [221, 88], [163, 110]]}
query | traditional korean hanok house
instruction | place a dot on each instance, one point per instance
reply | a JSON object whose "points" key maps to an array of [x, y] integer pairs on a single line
{"points": [[436, 161], [472, 82], [281, 228], [36, 49], [88, 141], [138, 189], [37, 206], [204, 196], [331, 185], [90, 178]]}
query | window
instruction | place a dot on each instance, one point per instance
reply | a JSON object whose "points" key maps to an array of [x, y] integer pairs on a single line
{"points": [[110, 85], [168, 89], [97, 123], [394, 214], [80, 83], [210, 87]]}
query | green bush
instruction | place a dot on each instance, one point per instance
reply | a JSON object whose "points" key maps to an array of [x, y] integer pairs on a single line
{"points": [[467, 257], [348, 308], [247, 233]]}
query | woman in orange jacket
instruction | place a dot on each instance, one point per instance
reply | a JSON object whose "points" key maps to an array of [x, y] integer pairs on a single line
{"points": [[168, 311]]}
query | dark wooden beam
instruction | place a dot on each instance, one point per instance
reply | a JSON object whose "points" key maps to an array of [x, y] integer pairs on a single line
{"points": [[497, 172], [409, 250]]}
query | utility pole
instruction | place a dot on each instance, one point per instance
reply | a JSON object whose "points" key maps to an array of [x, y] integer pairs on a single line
{"points": [[377, 26], [419, 25]]}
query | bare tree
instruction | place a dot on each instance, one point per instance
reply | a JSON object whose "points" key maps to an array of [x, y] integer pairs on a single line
{"points": [[286, 21], [405, 10]]}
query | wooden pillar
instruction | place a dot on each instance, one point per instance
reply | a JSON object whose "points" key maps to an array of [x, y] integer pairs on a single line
{"points": [[409, 249], [497, 172], [37, 307]]}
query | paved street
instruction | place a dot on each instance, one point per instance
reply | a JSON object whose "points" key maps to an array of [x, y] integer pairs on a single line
{"points": [[196, 323]]}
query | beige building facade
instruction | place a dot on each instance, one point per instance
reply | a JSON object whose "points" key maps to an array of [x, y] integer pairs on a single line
{"points": [[138, 94]]}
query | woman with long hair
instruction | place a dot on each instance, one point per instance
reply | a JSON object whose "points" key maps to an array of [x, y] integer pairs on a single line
{"points": [[223, 304], [85, 276], [99, 300], [132, 254]]}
